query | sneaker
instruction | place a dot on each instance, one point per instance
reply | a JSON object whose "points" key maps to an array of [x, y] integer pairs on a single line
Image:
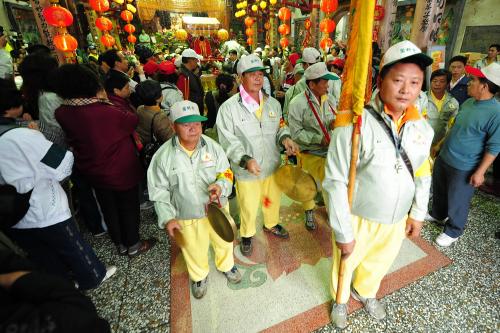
{"points": [[199, 289], [338, 315], [277, 231], [145, 246], [122, 250], [100, 234], [233, 276], [246, 246], [147, 205], [372, 305], [310, 224], [110, 271], [430, 218], [444, 240]]}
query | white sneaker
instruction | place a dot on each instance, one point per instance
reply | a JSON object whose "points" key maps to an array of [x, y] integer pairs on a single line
{"points": [[110, 271], [444, 240]]}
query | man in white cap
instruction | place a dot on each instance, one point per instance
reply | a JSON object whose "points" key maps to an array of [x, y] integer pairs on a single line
{"points": [[187, 172], [190, 83], [252, 132], [310, 56], [470, 147], [311, 116], [392, 182]]}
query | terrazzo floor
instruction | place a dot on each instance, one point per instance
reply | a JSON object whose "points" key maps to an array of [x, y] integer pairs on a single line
{"points": [[462, 297]]}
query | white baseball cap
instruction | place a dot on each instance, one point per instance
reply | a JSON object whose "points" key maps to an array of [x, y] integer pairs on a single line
{"points": [[491, 72], [250, 63], [319, 71], [310, 56], [190, 53], [258, 49], [404, 50], [185, 112], [298, 69]]}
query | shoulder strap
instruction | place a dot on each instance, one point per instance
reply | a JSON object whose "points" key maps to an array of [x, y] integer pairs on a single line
{"points": [[5, 128], [388, 131], [152, 131]]}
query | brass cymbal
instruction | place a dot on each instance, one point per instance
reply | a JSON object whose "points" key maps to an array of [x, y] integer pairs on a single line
{"points": [[222, 223], [297, 184]]}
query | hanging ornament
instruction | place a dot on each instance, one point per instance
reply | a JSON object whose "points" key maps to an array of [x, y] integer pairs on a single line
{"points": [[273, 2], [248, 21], [327, 25], [126, 15], [107, 40], [284, 42], [267, 25], [254, 8], [65, 42], [326, 43], [329, 6], [249, 32], [130, 28], [263, 5], [307, 24], [284, 14], [250, 41], [131, 8], [223, 35], [181, 34], [120, 2], [103, 23], [284, 29], [99, 5], [131, 39], [379, 13], [57, 16]]}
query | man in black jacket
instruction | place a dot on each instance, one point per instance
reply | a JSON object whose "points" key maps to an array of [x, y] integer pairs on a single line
{"points": [[190, 83]]}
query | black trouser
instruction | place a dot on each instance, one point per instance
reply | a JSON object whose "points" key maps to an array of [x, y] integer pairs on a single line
{"points": [[496, 168], [121, 214], [88, 205]]}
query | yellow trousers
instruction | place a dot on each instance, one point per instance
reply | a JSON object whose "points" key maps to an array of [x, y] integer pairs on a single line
{"points": [[377, 246], [250, 195], [315, 166], [198, 234]]}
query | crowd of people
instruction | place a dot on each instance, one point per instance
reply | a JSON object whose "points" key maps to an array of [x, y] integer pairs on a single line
{"points": [[103, 140]]}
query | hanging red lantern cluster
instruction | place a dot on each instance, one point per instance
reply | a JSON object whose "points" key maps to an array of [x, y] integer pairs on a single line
{"points": [[249, 31], [127, 16], [284, 15], [327, 25], [103, 23], [60, 17]]}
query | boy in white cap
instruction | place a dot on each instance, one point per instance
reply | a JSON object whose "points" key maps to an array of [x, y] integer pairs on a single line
{"points": [[470, 147], [187, 172], [392, 181], [311, 116], [310, 56], [251, 131]]}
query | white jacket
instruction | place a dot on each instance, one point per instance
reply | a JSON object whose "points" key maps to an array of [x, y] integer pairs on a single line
{"points": [[383, 193]]}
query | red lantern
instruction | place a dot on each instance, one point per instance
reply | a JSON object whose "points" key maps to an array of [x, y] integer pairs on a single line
{"points": [[126, 15], [57, 16], [284, 29], [379, 13], [248, 21], [131, 39], [329, 6], [250, 41], [284, 14], [107, 40], [65, 42], [103, 23], [326, 43], [99, 5], [249, 32], [130, 28], [327, 25], [284, 42], [307, 24]]}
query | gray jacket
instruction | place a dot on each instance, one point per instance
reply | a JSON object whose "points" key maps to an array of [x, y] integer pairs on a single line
{"points": [[242, 133], [384, 189], [178, 183], [439, 121]]}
